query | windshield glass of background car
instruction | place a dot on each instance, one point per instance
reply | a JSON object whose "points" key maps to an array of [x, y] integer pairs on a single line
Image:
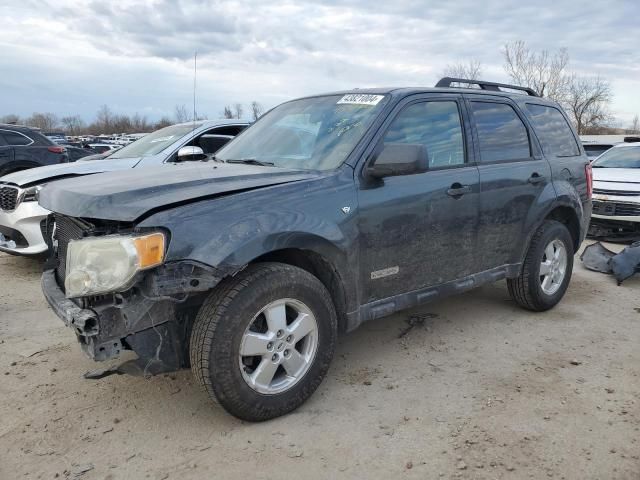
{"points": [[310, 134], [153, 143], [624, 157]]}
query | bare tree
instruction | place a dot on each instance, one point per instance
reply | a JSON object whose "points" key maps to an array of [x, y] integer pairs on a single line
{"points": [[588, 102], [237, 110], [104, 118], [543, 71], [10, 119], [43, 121], [227, 113], [635, 124], [139, 123], [471, 70], [163, 122], [181, 114], [72, 124], [256, 110]]}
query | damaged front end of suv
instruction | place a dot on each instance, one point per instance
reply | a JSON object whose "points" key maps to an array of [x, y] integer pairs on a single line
{"points": [[150, 312]]}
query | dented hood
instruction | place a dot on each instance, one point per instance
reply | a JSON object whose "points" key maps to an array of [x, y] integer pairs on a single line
{"points": [[40, 175], [128, 195]]}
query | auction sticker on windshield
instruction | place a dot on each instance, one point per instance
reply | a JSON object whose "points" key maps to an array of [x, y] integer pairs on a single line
{"points": [[360, 99]]}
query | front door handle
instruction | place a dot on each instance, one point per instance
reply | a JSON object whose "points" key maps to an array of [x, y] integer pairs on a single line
{"points": [[536, 178], [457, 190]]}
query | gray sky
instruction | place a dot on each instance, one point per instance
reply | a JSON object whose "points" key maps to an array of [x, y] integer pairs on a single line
{"points": [[68, 57]]}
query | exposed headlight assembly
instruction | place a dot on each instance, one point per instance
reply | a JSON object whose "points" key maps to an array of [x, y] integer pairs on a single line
{"points": [[108, 264], [31, 194]]}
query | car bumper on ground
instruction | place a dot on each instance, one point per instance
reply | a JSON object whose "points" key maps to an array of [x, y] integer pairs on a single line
{"points": [[24, 228]]}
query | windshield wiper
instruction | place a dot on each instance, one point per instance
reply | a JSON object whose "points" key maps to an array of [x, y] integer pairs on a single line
{"points": [[250, 161]]}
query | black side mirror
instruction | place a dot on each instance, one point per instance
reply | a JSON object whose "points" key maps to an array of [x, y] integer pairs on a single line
{"points": [[399, 159]]}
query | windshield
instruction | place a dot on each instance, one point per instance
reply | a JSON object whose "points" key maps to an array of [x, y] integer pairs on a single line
{"points": [[624, 157], [153, 143], [310, 134]]}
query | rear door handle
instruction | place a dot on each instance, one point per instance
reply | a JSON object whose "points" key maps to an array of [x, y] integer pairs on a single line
{"points": [[536, 178], [457, 190]]}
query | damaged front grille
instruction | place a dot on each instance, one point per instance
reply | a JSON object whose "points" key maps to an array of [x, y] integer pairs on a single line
{"points": [[8, 198], [616, 209], [62, 230]]}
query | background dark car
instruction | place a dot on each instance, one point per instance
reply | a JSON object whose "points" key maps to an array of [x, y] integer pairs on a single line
{"points": [[76, 153], [23, 147]]}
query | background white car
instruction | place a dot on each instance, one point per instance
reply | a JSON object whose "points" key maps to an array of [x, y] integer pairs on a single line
{"points": [[616, 193], [23, 221]]}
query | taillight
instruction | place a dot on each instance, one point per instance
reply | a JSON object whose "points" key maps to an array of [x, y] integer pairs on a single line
{"points": [[56, 149], [589, 174]]}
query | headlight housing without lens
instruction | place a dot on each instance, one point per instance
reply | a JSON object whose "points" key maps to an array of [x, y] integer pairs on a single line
{"points": [[31, 194], [108, 264]]}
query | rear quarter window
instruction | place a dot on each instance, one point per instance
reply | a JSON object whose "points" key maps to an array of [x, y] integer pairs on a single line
{"points": [[553, 130]]}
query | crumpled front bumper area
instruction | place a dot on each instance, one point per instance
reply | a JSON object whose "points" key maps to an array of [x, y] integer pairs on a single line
{"points": [[153, 318], [150, 327]]}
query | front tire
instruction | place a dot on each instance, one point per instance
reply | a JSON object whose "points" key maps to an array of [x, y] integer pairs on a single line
{"points": [[547, 268], [263, 340]]}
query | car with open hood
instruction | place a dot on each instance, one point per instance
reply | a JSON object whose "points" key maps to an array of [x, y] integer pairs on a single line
{"points": [[329, 211], [22, 220]]}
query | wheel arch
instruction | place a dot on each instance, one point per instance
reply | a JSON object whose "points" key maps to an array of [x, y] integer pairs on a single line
{"points": [[564, 213], [320, 267], [568, 216]]}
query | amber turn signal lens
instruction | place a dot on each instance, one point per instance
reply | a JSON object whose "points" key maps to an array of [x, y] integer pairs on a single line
{"points": [[150, 250]]}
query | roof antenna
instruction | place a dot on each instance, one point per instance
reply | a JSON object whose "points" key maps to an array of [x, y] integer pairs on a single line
{"points": [[195, 72]]}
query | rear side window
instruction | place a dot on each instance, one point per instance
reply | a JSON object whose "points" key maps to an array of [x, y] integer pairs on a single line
{"points": [[501, 133], [436, 125], [553, 131], [15, 139]]}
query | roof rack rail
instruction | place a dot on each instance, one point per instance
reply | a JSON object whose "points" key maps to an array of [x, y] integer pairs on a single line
{"points": [[495, 87]]}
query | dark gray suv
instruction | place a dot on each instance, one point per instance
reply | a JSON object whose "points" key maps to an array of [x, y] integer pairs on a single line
{"points": [[329, 211]]}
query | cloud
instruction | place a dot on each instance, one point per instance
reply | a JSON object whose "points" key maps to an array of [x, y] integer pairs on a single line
{"points": [[271, 51]]}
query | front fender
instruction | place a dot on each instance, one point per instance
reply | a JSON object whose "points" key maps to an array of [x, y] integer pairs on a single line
{"points": [[228, 233]]}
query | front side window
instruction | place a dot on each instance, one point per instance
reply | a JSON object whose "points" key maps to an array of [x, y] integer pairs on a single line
{"points": [[436, 125], [311, 134], [501, 133], [619, 157], [553, 131]]}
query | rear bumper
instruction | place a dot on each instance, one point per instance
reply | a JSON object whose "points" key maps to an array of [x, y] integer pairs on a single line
{"points": [[23, 227]]}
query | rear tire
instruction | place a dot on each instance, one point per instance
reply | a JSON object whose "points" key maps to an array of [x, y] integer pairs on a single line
{"points": [[547, 268], [263, 340]]}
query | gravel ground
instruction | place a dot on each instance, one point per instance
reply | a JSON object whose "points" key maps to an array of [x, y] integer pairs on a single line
{"points": [[481, 390]]}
